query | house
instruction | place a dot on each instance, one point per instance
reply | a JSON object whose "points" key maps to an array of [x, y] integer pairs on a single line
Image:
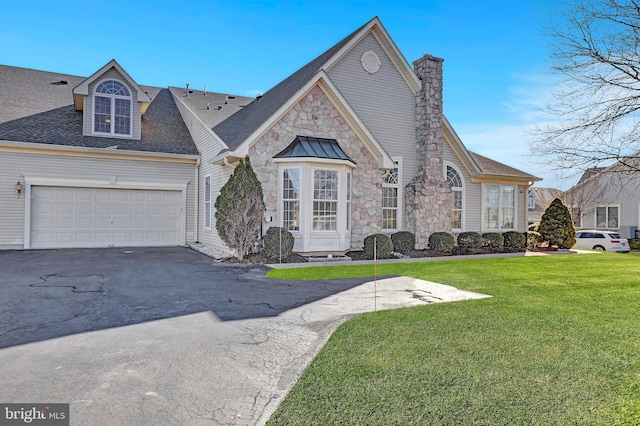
{"points": [[351, 144], [538, 200], [606, 199]]}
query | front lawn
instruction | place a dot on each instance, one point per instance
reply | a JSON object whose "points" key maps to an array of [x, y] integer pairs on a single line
{"points": [[559, 343]]}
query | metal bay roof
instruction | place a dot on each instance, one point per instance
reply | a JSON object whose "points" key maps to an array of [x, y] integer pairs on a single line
{"points": [[303, 146]]}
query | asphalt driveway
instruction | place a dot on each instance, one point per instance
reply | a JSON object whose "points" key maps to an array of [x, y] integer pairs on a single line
{"points": [[167, 335]]}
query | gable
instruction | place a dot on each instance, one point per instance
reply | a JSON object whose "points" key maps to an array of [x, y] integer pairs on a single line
{"points": [[84, 88], [381, 97], [322, 124]]}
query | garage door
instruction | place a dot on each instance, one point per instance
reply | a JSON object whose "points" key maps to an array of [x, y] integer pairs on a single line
{"points": [[64, 217]]}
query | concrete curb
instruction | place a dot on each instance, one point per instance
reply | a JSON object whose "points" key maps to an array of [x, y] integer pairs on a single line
{"points": [[418, 259]]}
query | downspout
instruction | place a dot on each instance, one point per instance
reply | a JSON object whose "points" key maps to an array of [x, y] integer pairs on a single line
{"points": [[196, 201]]}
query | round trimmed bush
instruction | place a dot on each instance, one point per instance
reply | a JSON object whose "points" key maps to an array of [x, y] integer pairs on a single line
{"points": [[533, 240], [384, 246], [403, 241], [515, 239], [277, 244], [441, 241], [493, 239], [471, 240]]}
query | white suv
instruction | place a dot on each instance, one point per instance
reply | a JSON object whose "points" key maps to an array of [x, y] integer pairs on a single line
{"points": [[601, 240]]}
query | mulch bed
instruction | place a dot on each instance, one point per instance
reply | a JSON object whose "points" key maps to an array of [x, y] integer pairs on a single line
{"points": [[258, 258]]}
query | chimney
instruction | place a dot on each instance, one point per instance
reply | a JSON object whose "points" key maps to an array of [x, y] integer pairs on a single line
{"points": [[429, 137], [428, 198]]}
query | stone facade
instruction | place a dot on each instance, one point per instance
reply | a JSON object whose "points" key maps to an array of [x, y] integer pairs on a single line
{"points": [[316, 116], [428, 197]]}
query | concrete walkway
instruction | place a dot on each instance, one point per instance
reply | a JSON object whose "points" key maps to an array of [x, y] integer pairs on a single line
{"points": [[194, 369]]}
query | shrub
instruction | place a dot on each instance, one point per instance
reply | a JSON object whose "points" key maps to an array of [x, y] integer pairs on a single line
{"points": [[533, 240], [470, 240], [634, 244], [384, 246], [493, 240], [239, 209], [441, 241], [403, 241], [556, 226], [277, 244], [515, 239]]}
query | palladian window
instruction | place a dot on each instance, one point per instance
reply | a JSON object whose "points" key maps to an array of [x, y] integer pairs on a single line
{"points": [[112, 108]]}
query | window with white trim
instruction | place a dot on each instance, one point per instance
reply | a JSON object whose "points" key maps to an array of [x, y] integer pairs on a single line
{"points": [[112, 108], [348, 206], [499, 207], [207, 202], [455, 182], [325, 200], [390, 197], [531, 201], [607, 217], [291, 199]]}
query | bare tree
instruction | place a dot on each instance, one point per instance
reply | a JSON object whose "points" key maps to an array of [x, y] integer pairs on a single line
{"points": [[583, 198], [596, 50]]}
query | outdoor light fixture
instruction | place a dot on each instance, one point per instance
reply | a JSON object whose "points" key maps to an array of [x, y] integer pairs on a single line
{"points": [[18, 188]]}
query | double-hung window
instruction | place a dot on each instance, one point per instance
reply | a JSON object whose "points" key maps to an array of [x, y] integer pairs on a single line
{"points": [[607, 217], [325, 200], [112, 108], [499, 207], [291, 199]]}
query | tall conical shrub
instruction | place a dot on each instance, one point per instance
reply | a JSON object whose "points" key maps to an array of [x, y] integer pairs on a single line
{"points": [[239, 209], [556, 226]]}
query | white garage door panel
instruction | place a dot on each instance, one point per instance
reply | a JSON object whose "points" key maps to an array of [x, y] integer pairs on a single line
{"points": [[96, 217]]}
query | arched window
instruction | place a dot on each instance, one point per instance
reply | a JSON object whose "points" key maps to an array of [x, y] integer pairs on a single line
{"points": [[112, 108], [455, 181], [531, 201]]}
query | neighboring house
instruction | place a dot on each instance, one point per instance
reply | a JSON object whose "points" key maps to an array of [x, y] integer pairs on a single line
{"points": [[351, 144], [538, 200], [606, 199]]}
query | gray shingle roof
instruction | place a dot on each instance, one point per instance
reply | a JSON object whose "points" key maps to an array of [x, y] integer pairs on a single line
{"points": [[36, 107], [493, 167], [221, 105], [237, 128]]}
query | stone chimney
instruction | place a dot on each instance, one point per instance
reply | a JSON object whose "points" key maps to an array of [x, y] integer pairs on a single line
{"points": [[428, 197]]}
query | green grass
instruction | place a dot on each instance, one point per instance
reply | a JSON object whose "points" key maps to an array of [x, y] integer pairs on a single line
{"points": [[558, 344]]}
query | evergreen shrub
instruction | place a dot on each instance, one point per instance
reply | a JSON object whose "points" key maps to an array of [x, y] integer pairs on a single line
{"points": [[515, 239], [556, 226], [384, 246], [277, 244], [403, 241], [471, 240], [493, 239], [441, 241]]}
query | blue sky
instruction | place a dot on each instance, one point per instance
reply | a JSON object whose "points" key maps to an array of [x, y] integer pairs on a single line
{"points": [[495, 69]]}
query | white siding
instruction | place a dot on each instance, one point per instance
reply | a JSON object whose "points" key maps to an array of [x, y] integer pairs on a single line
{"points": [[208, 146], [14, 164], [382, 100]]}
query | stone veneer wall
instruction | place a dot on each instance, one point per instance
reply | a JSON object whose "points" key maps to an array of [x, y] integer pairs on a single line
{"points": [[316, 116], [428, 197]]}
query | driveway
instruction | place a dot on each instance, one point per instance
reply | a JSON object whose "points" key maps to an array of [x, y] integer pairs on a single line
{"points": [[167, 335]]}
